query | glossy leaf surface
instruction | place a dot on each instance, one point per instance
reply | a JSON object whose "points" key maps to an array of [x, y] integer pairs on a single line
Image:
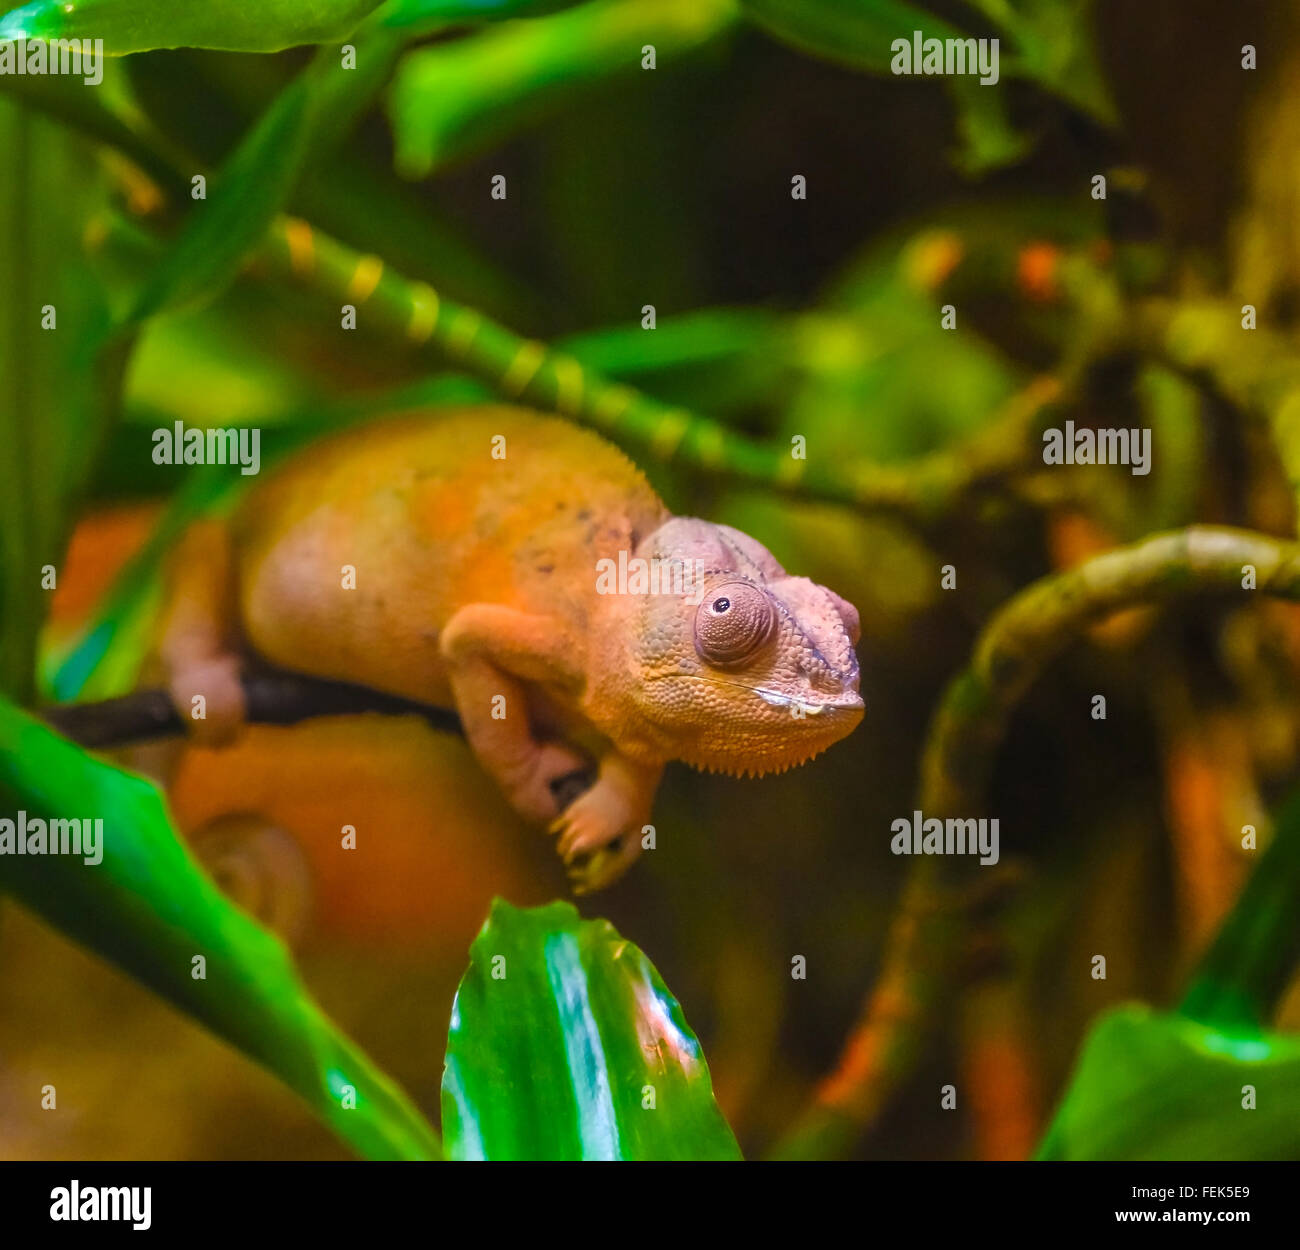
{"points": [[566, 1044]]}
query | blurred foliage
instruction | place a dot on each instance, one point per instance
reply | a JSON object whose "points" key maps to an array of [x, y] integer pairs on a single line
{"points": [[784, 319], [1151, 1085], [1210, 1081], [148, 907], [453, 98], [138, 25], [62, 386], [1050, 42]]}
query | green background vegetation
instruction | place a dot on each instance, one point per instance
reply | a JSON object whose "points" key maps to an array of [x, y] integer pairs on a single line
{"points": [[777, 317]]}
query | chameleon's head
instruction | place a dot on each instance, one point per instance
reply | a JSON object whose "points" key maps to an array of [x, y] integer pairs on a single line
{"points": [[725, 661]]}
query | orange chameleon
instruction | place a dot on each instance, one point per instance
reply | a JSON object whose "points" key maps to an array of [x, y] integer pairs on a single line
{"points": [[456, 558]]}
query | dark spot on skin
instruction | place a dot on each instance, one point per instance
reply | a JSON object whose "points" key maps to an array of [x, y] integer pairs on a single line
{"points": [[560, 505], [546, 568], [635, 539], [584, 515]]}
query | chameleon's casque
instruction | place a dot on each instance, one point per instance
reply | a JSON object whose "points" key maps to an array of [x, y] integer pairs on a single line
{"points": [[476, 536]]}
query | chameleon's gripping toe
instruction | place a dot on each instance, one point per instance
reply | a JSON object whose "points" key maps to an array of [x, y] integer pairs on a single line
{"points": [[209, 698]]}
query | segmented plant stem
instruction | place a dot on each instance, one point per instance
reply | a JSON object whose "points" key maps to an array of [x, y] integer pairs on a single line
{"points": [[528, 371]]}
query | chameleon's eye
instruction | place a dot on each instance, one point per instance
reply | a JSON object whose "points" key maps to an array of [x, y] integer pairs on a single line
{"points": [[734, 624]]}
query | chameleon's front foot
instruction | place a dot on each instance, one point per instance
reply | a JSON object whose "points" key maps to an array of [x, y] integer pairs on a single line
{"points": [[600, 831], [532, 791]]}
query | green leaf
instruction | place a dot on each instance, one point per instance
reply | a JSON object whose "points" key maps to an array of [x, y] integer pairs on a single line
{"points": [[1053, 45], [452, 98], [141, 25], [988, 139], [857, 33], [150, 909], [558, 1029], [712, 359], [419, 12], [244, 199], [61, 373], [1159, 1086], [1245, 972], [306, 121]]}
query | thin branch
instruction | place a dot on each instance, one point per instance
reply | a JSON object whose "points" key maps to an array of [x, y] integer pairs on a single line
{"points": [[271, 699], [1013, 650]]}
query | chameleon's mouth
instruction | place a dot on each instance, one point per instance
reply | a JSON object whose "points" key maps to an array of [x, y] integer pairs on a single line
{"points": [[849, 701]]}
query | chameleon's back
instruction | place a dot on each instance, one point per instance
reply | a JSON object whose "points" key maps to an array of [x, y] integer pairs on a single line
{"points": [[433, 512]]}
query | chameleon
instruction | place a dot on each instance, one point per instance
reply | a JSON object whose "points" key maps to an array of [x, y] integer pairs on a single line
{"points": [[462, 557]]}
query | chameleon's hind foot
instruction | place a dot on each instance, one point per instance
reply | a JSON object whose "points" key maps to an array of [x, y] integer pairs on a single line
{"points": [[216, 681]]}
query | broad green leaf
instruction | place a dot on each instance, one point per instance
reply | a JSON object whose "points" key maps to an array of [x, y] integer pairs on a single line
{"points": [[704, 336], [244, 198], [1160, 1086], [712, 360], [1250, 963], [234, 25], [149, 908], [420, 12], [988, 139], [61, 372], [1051, 43], [1173, 1086], [128, 26], [857, 33], [561, 1033], [451, 98]]}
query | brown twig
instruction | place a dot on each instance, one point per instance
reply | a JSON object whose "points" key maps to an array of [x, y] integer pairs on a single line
{"points": [[271, 699]]}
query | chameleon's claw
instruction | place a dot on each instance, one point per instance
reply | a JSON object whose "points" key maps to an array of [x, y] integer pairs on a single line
{"points": [[599, 827], [605, 866]]}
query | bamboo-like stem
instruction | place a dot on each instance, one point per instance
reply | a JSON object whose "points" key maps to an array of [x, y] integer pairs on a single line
{"points": [[922, 490], [528, 371]]}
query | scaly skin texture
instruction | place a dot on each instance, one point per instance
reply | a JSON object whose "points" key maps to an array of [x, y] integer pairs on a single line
{"points": [[479, 585]]}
